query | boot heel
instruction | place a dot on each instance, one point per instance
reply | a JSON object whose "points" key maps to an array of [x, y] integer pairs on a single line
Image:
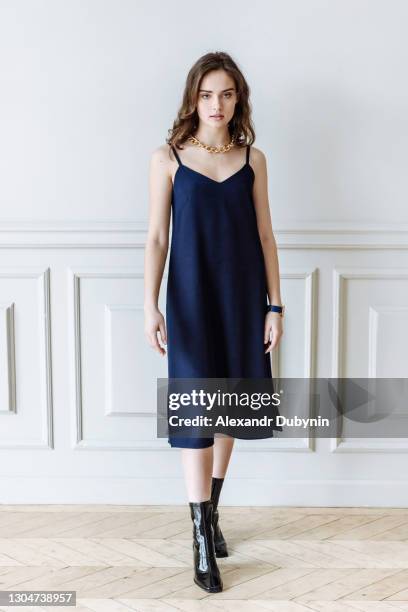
{"points": [[220, 544]]}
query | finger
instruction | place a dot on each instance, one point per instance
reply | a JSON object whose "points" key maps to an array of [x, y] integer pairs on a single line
{"points": [[159, 346], [163, 334], [267, 334], [271, 347], [275, 341], [154, 343], [272, 343]]}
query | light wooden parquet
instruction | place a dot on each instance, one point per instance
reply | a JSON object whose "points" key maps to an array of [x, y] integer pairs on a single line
{"points": [[121, 558]]}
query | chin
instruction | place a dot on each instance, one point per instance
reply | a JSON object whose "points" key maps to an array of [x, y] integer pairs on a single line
{"points": [[220, 123]]}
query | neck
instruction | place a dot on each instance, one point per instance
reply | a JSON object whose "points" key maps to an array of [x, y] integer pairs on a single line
{"points": [[213, 137]]}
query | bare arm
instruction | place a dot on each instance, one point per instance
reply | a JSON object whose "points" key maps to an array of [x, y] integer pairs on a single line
{"points": [[273, 321], [157, 245]]}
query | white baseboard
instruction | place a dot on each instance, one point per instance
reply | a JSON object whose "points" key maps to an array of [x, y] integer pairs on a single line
{"points": [[236, 492]]}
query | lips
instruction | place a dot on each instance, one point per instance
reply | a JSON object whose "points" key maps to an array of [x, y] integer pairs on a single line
{"points": [[217, 116]]}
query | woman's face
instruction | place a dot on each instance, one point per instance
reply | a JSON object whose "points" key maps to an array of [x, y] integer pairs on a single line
{"points": [[217, 97]]}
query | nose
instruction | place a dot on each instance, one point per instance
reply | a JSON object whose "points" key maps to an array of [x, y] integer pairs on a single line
{"points": [[217, 105]]}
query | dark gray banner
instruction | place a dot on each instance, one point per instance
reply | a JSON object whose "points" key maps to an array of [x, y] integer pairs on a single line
{"points": [[283, 407]]}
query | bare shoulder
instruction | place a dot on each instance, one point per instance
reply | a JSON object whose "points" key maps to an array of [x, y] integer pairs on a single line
{"points": [[257, 157], [161, 160]]}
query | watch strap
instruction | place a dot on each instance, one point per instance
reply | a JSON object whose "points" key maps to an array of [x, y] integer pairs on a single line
{"points": [[274, 308]]}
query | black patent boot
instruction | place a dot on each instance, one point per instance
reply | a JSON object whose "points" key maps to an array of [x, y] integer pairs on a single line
{"points": [[206, 572], [220, 544]]}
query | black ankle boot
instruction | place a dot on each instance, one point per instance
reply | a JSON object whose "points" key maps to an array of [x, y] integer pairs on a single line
{"points": [[220, 544], [206, 572]]}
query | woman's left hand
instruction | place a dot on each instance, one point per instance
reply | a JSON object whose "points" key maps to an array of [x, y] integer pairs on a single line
{"points": [[274, 327]]}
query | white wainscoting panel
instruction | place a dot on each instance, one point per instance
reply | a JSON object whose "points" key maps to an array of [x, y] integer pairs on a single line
{"points": [[26, 380], [78, 378]]}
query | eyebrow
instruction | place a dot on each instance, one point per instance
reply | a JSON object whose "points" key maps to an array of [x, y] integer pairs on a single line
{"points": [[223, 91]]}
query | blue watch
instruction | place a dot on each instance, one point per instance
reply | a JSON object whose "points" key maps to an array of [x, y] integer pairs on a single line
{"points": [[274, 308]]}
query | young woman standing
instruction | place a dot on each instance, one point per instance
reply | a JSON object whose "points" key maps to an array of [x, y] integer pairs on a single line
{"points": [[223, 266]]}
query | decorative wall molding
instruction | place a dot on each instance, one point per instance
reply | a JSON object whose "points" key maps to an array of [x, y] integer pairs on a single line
{"points": [[249, 490], [80, 443], [340, 277], [7, 361], [128, 234], [369, 445], [373, 322], [74, 279], [310, 278], [274, 456], [43, 276], [107, 335]]}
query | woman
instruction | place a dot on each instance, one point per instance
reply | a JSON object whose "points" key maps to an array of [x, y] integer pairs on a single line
{"points": [[223, 265]]}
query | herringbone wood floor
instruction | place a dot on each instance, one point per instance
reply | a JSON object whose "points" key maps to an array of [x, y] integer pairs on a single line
{"points": [[121, 558]]}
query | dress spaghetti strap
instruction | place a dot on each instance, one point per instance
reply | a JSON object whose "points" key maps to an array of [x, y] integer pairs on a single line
{"points": [[176, 155], [247, 154]]}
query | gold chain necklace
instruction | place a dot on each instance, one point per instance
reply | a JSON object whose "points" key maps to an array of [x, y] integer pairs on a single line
{"points": [[211, 149]]}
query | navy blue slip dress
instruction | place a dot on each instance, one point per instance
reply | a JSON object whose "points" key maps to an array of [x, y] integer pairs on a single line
{"points": [[216, 289]]}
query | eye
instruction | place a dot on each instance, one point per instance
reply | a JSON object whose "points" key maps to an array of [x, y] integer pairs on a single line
{"points": [[228, 94], [204, 96]]}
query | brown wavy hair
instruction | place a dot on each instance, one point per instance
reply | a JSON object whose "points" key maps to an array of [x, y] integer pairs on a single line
{"points": [[240, 127]]}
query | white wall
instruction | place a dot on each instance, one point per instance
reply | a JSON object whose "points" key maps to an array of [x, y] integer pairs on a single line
{"points": [[88, 89]]}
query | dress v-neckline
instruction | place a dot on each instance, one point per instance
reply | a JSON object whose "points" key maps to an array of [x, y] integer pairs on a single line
{"points": [[208, 178]]}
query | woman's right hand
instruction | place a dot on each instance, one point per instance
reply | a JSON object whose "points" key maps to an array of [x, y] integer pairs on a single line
{"points": [[154, 323]]}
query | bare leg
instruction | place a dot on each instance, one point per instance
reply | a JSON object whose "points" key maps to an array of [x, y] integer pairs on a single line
{"points": [[222, 452], [197, 465]]}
